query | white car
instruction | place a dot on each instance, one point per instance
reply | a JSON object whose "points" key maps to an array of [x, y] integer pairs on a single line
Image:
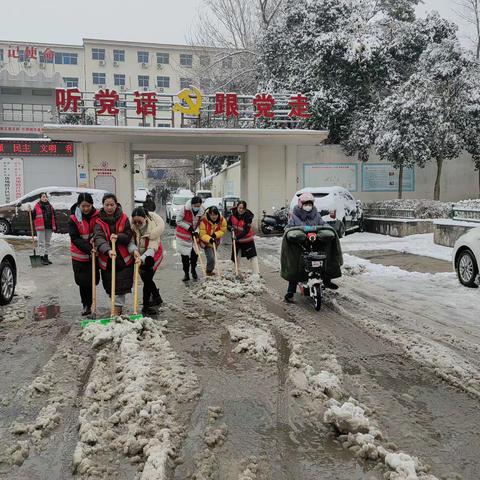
{"points": [[176, 205], [214, 202], [337, 206], [466, 258], [8, 272], [140, 195]]}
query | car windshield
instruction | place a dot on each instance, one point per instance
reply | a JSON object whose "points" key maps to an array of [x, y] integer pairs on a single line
{"points": [[317, 195], [180, 200]]}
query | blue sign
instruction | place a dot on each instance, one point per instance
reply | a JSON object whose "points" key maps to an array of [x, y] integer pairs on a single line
{"points": [[382, 177]]}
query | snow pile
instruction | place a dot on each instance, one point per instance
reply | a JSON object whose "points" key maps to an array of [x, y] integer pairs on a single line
{"points": [[347, 417], [422, 208], [254, 340], [250, 471], [128, 406], [214, 288]]}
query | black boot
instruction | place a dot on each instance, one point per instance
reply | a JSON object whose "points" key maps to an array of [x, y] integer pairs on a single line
{"points": [[45, 260], [329, 284], [156, 298], [49, 262], [289, 298], [86, 310], [148, 311], [194, 274], [186, 277]]}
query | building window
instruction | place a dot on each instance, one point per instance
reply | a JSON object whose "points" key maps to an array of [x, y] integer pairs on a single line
{"points": [[98, 54], [185, 82], [205, 84], [99, 78], [21, 56], [204, 60], [1, 54], [227, 62], [42, 59], [186, 60], [70, 82], [143, 80], [163, 82], [119, 79], [119, 55], [64, 58], [163, 58], [142, 57]]}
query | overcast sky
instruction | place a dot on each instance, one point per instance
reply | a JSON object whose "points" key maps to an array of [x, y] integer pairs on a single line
{"points": [[162, 21]]}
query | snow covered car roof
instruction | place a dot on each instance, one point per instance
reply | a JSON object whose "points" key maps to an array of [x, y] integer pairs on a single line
{"points": [[327, 190]]}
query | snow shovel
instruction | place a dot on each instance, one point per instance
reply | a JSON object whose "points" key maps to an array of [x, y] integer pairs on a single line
{"points": [[235, 252], [197, 251], [35, 260], [216, 259]]}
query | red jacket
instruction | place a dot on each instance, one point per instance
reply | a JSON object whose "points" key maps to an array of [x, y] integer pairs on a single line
{"points": [[121, 249], [85, 229], [181, 232], [240, 225], [39, 221]]}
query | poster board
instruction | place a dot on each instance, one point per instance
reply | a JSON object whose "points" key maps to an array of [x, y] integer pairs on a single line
{"points": [[331, 175], [382, 177], [11, 179]]}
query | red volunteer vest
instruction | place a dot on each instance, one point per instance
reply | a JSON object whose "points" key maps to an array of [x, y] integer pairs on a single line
{"points": [[238, 226], [39, 222], [158, 256], [121, 249], [180, 232], [85, 229], [211, 228]]}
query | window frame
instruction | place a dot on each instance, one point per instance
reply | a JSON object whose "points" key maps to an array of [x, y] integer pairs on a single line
{"points": [[98, 53], [143, 77], [163, 77], [67, 80], [99, 74], [185, 82], [140, 53], [184, 56], [159, 57], [117, 53], [119, 76]]}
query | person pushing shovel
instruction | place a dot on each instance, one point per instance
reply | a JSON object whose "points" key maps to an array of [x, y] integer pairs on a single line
{"points": [[212, 228]]}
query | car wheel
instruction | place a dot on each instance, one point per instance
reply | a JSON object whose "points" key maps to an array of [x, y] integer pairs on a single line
{"points": [[7, 282], [5, 228], [467, 269]]}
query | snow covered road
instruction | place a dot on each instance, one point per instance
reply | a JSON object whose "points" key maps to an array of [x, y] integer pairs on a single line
{"points": [[230, 383]]}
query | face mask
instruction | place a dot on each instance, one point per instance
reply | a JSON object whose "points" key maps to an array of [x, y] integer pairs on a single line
{"points": [[195, 210], [307, 208]]}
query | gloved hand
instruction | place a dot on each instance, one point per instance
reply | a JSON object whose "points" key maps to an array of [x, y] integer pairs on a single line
{"points": [[195, 234], [212, 240], [190, 229], [213, 235]]}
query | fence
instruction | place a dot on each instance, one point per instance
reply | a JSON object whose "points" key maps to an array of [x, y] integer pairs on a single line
{"points": [[466, 214], [389, 212]]}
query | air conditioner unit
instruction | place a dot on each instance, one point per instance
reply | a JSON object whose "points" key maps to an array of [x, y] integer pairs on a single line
{"points": [[159, 66], [144, 65], [26, 64], [43, 65], [101, 63], [160, 89], [122, 88], [115, 64], [100, 87], [145, 89]]}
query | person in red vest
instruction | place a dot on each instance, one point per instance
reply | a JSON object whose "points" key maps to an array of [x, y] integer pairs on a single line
{"points": [[44, 220], [147, 228], [113, 223], [188, 221], [80, 228], [240, 223]]}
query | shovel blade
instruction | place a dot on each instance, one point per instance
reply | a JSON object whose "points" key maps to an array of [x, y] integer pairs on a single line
{"points": [[101, 321], [36, 261]]}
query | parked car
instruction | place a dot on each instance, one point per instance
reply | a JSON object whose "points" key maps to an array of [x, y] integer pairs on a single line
{"points": [[466, 258], [203, 194], [14, 218], [140, 195], [175, 205], [337, 206], [214, 202], [8, 272], [228, 204]]}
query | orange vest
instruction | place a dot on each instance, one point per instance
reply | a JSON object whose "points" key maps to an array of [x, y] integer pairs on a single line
{"points": [[238, 225], [122, 249], [158, 255], [39, 222], [85, 229]]}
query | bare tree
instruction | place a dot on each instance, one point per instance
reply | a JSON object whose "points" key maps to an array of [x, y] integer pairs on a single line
{"points": [[469, 12], [230, 30]]}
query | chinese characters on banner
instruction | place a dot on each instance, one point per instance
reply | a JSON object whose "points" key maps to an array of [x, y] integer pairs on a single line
{"points": [[30, 53], [190, 103], [11, 179]]}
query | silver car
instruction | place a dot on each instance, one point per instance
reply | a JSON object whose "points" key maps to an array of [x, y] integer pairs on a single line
{"points": [[8, 272]]}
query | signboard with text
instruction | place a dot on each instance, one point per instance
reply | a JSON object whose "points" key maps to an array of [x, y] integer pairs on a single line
{"points": [[331, 175], [36, 149], [11, 179], [382, 177]]}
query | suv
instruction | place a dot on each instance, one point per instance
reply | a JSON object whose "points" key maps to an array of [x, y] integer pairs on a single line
{"points": [[176, 205], [14, 216]]}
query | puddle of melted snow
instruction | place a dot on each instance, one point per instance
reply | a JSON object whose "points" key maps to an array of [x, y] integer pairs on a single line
{"points": [[406, 261], [46, 312], [263, 420]]}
